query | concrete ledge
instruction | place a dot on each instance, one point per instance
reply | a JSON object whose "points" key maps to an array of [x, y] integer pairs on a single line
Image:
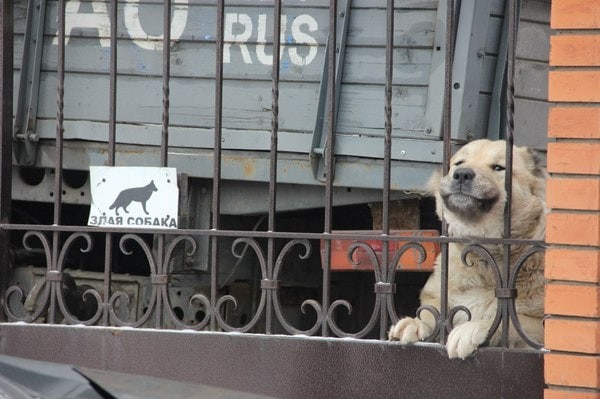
{"points": [[284, 366]]}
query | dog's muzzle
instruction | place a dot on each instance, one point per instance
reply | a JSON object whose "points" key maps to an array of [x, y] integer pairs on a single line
{"points": [[462, 196]]}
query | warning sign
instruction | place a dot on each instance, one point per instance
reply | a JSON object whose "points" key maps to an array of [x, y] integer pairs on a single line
{"points": [[139, 197]]}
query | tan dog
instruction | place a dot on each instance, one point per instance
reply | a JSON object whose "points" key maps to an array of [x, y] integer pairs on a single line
{"points": [[471, 199]]}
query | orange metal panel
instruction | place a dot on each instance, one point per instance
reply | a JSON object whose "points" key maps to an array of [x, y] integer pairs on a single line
{"points": [[409, 261]]}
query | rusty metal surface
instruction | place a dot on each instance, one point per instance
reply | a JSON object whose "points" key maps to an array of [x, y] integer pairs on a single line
{"points": [[285, 367]]}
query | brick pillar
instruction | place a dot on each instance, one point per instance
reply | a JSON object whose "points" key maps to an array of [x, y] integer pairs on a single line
{"points": [[572, 367]]}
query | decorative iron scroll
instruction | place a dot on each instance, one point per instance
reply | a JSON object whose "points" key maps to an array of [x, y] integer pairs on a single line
{"points": [[53, 284], [159, 275], [384, 288], [49, 301], [506, 292]]}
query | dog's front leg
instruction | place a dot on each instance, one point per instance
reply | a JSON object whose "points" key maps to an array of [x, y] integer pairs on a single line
{"points": [[410, 330], [465, 338]]}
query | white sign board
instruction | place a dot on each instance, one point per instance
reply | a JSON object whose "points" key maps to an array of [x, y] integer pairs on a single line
{"points": [[139, 197]]}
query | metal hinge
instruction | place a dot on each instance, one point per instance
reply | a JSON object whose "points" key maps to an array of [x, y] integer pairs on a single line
{"points": [[319, 140], [25, 136], [496, 121]]}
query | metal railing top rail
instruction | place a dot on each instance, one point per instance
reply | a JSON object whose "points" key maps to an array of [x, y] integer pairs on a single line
{"points": [[336, 235]]}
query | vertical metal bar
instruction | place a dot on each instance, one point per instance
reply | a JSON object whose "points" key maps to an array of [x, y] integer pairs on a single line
{"points": [[216, 206], [331, 84], [448, 63], [389, 75], [108, 255], [162, 269], [6, 110], [51, 318], [510, 109], [58, 157], [60, 105], [447, 134], [273, 155], [112, 138], [112, 107], [164, 145]]}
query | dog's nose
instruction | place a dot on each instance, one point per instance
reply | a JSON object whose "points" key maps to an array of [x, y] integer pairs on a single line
{"points": [[463, 175]]}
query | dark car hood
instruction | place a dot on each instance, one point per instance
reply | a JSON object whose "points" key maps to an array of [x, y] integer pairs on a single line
{"points": [[26, 379]]}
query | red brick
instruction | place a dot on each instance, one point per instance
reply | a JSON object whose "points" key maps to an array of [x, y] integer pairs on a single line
{"points": [[575, 14], [571, 370], [573, 228], [572, 335], [574, 86], [572, 300], [575, 158], [556, 393], [574, 122], [573, 265], [575, 50], [580, 194]]}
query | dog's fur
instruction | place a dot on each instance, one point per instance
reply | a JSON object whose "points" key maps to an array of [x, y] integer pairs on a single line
{"points": [[471, 199]]}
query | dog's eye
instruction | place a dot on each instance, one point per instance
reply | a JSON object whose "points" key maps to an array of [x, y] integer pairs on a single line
{"points": [[459, 162], [498, 168]]}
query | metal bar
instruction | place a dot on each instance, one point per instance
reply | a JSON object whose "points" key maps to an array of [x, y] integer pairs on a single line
{"points": [[387, 155], [60, 104], [51, 316], [58, 160], [389, 75], [510, 109], [447, 134], [449, 58], [164, 145], [112, 135], [215, 222], [331, 86], [319, 139], [29, 85], [162, 268], [6, 110], [108, 262], [495, 124], [112, 107], [273, 155], [22, 99], [278, 234]]}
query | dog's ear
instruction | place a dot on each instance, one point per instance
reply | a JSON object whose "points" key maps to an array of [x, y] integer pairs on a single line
{"points": [[535, 163], [434, 182]]}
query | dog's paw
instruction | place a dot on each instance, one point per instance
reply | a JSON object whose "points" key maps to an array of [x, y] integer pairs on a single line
{"points": [[466, 338], [409, 331]]}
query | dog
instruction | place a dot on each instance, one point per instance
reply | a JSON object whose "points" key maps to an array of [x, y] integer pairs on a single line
{"points": [[138, 194], [471, 199]]}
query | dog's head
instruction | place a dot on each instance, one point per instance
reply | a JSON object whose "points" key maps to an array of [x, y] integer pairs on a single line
{"points": [[472, 196]]}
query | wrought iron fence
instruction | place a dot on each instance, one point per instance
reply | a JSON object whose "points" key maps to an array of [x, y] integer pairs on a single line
{"points": [[110, 304]]}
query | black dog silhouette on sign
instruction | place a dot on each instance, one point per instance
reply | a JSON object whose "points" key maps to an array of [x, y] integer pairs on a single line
{"points": [[137, 194]]}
